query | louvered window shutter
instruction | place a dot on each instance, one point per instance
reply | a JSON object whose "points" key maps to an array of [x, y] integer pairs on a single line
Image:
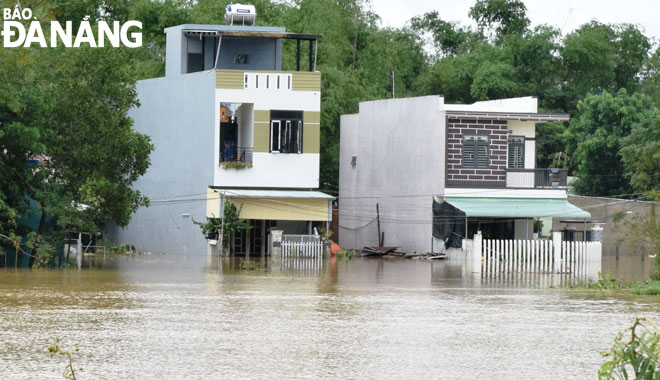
{"points": [[476, 152], [516, 152], [482, 154], [468, 152]]}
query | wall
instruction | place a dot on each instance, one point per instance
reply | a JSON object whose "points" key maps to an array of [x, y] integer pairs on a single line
{"points": [[349, 226], [527, 129], [177, 113], [265, 53], [399, 145], [176, 48], [274, 170], [523, 229], [245, 125], [618, 239], [495, 174]]}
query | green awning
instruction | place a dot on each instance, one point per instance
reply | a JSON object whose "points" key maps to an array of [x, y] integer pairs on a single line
{"points": [[517, 207]]}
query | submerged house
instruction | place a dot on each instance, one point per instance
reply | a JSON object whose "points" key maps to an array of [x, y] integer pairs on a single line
{"points": [[229, 124], [424, 175]]}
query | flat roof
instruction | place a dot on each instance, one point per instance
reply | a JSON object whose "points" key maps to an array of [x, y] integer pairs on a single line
{"points": [[242, 31], [294, 194], [522, 116], [227, 28]]}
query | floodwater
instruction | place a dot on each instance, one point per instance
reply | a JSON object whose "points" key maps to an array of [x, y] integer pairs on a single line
{"points": [[161, 318]]}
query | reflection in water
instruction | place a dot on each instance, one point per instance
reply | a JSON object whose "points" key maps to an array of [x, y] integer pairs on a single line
{"points": [[160, 318], [629, 268]]}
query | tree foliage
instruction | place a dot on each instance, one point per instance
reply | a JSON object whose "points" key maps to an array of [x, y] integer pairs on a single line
{"points": [[595, 136], [68, 110], [641, 156], [501, 17], [70, 106]]}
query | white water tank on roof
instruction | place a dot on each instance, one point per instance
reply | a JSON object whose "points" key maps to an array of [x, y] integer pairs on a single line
{"points": [[240, 14]]}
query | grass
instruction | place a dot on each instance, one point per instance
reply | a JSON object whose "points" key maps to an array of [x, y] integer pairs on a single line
{"points": [[349, 255], [604, 282], [248, 264], [650, 287], [647, 288]]}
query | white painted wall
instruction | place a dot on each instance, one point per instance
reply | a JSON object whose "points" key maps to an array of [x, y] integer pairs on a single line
{"points": [[527, 129], [245, 126], [268, 169], [271, 100], [177, 113], [273, 170], [350, 227], [526, 104], [400, 148]]}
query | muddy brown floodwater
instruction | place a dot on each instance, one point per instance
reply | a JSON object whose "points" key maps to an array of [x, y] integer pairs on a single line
{"points": [[164, 318]]}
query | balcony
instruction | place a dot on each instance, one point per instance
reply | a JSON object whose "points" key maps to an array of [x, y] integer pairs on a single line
{"points": [[280, 81], [537, 178], [236, 154]]}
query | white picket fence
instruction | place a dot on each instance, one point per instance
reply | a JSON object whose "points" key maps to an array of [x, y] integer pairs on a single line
{"points": [[302, 265], [302, 246], [537, 256]]}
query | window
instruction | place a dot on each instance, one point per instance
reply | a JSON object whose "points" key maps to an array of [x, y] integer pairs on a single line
{"points": [[286, 129], [516, 152], [476, 152], [195, 55], [241, 59]]}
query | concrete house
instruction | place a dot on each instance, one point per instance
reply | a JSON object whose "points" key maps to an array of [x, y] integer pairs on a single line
{"points": [[229, 124], [429, 174]]}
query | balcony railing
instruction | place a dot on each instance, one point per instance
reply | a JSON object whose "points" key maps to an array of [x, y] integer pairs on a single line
{"points": [[236, 154], [537, 178]]}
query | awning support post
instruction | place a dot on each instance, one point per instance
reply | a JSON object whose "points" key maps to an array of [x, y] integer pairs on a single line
{"points": [[222, 226], [466, 227], [584, 231]]}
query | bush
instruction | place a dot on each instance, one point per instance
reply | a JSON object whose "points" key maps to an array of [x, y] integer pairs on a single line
{"points": [[636, 351]]}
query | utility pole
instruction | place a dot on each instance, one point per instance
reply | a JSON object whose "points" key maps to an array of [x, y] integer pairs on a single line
{"points": [[393, 84]]}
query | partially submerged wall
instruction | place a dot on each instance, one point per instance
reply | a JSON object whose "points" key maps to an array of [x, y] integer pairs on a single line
{"points": [[399, 146], [177, 113], [618, 238]]}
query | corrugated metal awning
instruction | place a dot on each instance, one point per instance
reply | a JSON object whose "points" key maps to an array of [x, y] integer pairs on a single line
{"points": [[274, 204], [517, 207]]}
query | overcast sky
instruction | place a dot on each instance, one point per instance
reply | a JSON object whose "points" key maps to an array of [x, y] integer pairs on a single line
{"points": [[565, 14]]}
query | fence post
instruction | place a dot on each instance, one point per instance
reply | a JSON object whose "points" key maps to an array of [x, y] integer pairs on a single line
{"points": [[476, 248], [556, 246]]}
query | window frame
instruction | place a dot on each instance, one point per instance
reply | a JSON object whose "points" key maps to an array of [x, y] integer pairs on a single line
{"points": [[287, 128], [510, 156], [475, 141]]}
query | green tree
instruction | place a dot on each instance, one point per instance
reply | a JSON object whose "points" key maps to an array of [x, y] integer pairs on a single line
{"points": [[650, 77], [641, 156], [93, 153], [500, 17], [595, 136], [599, 57], [70, 106], [449, 38]]}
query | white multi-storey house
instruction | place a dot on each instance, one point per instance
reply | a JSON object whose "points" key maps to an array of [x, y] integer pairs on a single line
{"points": [[228, 124]]}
